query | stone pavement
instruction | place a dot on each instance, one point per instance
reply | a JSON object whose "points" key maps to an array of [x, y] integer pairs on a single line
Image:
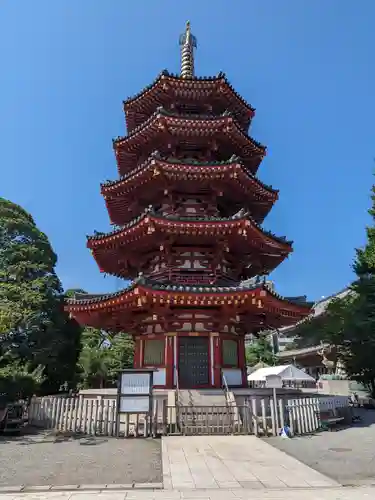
{"points": [[347, 456], [207, 494], [214, 468], [233, 462]]}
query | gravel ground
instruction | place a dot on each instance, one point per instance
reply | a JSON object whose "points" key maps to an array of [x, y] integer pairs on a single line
{"points": [[348, 455], [36, 459]]}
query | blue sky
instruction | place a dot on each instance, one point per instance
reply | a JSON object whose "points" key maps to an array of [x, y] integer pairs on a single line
{"points": [[307, 67]]}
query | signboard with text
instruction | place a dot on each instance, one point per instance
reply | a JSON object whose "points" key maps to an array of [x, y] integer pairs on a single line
{"points": [[135, 391]]}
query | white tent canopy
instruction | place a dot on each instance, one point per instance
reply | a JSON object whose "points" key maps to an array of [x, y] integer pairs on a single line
{"points": [[287, 373]]}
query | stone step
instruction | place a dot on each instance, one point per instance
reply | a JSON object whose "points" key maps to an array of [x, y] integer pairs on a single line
{"points": [[215, 424], [206, 429], [202, 397]]}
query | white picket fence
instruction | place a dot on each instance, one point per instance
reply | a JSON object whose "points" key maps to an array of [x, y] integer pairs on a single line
{"points": [[98, 416], [86, 416], [300, 415], [303, 415]]}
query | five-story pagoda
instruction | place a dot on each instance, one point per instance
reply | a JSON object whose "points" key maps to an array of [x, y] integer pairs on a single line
{"points": [[188, 209]]}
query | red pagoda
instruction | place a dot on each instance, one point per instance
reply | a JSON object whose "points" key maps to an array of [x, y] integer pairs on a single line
{"points": [[187, 210]]}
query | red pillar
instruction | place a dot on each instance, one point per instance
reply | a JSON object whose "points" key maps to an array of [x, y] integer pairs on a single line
{"points": [[217, 360], [137, 362], [242, 360], [169, 361]]}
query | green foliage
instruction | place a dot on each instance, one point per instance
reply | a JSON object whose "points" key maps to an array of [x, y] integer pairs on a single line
{"points": [[260, 351], [122, 354], [18, 381], [103, 356], [69, 294], [358, 351], [328, 327], [35, 332]]}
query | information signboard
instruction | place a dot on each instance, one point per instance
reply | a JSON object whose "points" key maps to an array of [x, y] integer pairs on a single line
{"points": [[135, 391], [135, 383], [274, 382]]}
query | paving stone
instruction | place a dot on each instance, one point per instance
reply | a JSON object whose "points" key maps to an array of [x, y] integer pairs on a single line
{"points": [[148, 486], [10, 489], [87, 495], [203, 493], [294, 482], [41, 488], [64, 487], [228, 484], [204, 485], [100, 495], [184, 486], [39, 495], [159, 495], [202, 461], [214, 494], [252, 485], [360, 493], [93, 486]]}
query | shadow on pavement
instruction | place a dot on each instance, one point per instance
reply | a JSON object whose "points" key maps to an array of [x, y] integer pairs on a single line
{"points": [[347, 456], [31, 436]]}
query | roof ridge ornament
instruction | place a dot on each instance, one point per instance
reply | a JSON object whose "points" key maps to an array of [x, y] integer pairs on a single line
{"points": [[188, 43]]}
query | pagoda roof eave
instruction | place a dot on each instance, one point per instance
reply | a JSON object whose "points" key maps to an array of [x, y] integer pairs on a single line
{"points": [[301, 353], [220, 77], [149, 217], [155, 160], [161, 112], [142, 287]]}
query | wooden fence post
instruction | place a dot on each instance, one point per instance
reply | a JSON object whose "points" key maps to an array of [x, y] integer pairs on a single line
{"points": [[281, 413], [290, 410], [264, 417], [273, 417]]}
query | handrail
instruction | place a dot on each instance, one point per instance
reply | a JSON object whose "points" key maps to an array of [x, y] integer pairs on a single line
{"points": [[177, 396], [177, 393], [231, 405], [226, 388]]}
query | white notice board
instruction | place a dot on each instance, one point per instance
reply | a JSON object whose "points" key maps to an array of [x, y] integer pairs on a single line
{"points": [[135, 405], [135, 383], [134, 391], [274, 382]]}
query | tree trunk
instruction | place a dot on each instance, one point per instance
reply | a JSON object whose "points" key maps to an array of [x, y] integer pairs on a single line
{"points": [[372, 385]]}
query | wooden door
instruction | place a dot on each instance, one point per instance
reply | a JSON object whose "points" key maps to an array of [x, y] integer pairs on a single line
{"points": [[193, 362]]}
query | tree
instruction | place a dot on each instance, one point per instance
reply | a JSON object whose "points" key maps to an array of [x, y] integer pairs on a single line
{"points": [[29, 284], [34, 330], [64, 348], [69, 294], [17, 381], [358, 351], [103, 356], [122, 355], [260, 351], [329, 327]]}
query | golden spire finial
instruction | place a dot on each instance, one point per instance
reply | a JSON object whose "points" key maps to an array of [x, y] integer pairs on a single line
{"points": [[188, 43]]}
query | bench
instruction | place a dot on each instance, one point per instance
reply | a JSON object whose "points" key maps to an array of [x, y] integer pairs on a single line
{"points": [[12, 417], [329, 419]]}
